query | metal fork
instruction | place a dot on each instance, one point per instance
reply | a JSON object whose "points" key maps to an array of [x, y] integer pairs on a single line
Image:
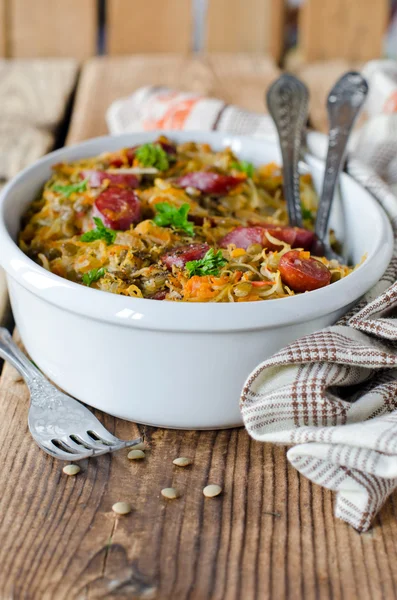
{"points": [[60, 425]]}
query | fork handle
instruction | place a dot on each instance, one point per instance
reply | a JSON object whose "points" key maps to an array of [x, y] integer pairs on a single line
{"points": [[14, 355]]}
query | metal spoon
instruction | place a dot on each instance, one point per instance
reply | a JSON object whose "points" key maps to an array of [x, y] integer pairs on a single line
{"points": [[288, 102], [345, 101]]}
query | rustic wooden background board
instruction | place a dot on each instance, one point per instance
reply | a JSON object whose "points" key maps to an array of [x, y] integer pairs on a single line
{"points": [[51, 28], [157, 26], [2, 27], [342, 28], [352, 29], [35, 92], [249, 26], [270, 535]]}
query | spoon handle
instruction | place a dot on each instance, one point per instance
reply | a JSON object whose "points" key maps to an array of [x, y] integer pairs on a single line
{"points": [[288, 102], [344, 103]]}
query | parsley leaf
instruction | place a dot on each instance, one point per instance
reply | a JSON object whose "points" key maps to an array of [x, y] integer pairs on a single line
{"points": [[93, 275], [210, 264], [245, 167], [152, 155], [68, 190], [99, 233], [306, 213], [167, 214]]}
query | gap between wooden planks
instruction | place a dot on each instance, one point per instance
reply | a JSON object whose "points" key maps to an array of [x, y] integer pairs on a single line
{"points": [[271, 535]]}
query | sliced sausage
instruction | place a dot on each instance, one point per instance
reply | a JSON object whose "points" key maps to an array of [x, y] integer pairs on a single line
{"points": [[183, 254], [209, 183], [243, 237], [96, 178], [304, 238], [284, 234], [296, 237], [118, 208], [318, 247], [302, 273]]}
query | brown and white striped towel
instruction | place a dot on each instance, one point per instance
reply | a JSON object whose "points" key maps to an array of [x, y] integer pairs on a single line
{"points": [[331, 395]]}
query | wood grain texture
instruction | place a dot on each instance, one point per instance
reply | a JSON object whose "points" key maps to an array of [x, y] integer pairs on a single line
{"points": [[3, 28], [250, 26], [20, 145], [33, 99], [151, 26], [235, 78], [36, 91], [51, 28], [270, 535], [346, 29]]}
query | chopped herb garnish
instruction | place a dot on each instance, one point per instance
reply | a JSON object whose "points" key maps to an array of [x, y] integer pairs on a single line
{"points": [[99, 233], [152, 155], [68, 190], [167, 214], [306, 213], [93, 275], [245, 167], [210, 264]]}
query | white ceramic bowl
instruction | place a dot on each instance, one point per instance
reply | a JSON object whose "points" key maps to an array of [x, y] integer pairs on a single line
{"points": [[171, 364]]}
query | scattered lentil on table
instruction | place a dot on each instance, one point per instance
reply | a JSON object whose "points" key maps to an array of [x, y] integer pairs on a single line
{"points": [[170, 493], [136, 455], [122, 508], [71, 470], [212, 490], [182, 461]]}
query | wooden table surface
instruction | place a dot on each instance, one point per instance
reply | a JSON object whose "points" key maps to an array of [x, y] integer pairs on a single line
{"points": [[271, 534]]}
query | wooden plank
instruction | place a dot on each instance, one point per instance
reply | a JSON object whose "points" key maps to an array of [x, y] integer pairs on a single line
{"points": [[20, 145], [3, 28], [270, 535], [151, 26], [33, 99], [36, 91], [343, 29], [278, 16], [250, 26], [51, 28], [242, 80], [237, 78]]}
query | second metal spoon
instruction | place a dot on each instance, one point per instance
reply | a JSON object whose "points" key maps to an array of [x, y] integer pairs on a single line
{"points": [[344, 103]]}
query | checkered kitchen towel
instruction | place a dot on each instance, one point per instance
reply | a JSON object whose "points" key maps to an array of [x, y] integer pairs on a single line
{"points": [[331, 395]]}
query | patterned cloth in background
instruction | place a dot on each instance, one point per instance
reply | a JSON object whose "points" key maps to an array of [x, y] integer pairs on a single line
{"points": [[331, 395]]}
